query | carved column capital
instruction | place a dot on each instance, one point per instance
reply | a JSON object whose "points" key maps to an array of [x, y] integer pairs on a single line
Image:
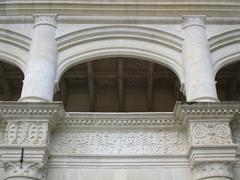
{"points": [[211, 150], [207, 170], [24, 150], [194, 20], [31, 170], [45, 20]]}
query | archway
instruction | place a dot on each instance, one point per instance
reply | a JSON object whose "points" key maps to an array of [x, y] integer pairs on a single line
{"points": [[11, 78], [228, 82], [119, 84]]}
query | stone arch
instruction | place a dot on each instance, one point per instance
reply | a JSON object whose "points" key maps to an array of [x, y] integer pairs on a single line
{"points": [[119, 84], [13, 60], [225, 49], [14, 48], [126, 41]]}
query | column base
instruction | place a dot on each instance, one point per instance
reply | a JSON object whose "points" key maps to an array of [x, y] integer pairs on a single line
{"points": [[32, 99], [19, 178], [204, 99]]}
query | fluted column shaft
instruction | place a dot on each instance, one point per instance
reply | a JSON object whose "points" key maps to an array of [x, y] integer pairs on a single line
{"points": [[198, 73], [41, 68]]}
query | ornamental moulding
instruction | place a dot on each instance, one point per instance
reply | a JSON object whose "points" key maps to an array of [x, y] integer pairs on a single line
{"points": [[162, 8], [119, 143], [129, 120], [25, 109]]}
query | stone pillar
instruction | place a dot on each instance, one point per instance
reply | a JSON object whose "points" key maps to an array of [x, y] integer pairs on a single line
{"points": [[40, 74], [198, 73], [211, 151], [24, 152]]}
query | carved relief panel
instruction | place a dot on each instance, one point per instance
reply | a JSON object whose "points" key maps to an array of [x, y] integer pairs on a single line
{"points": [[207, 133], [119, 143], [27, 132]]}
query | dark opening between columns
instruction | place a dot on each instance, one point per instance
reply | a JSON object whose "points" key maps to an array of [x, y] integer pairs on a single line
{"points": [[228, 82], [11, 79], [119, 85]]}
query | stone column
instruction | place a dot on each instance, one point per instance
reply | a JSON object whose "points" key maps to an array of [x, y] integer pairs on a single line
{"points": [[40, 74], [212, 152], [198, 73], [24, 152]]}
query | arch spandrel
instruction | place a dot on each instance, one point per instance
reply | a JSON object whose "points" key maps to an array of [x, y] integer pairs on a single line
{"points": [[115, 41]]}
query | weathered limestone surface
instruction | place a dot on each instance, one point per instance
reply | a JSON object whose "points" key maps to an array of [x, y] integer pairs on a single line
{"points": [[197, 141], [193, 142], [40, 73]]}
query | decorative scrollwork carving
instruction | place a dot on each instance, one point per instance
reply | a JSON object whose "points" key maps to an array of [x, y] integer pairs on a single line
{"points": [[200, 131], [134, 143], [211, 133], [222, 130]]}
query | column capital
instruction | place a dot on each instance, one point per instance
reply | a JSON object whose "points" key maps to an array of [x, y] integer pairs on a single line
{"points": [[206, 170], [31, 170], [193, 20], [45, 20]]}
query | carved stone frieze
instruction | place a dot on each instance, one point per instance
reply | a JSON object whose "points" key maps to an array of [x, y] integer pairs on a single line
{"points": [[202, 170], [119, 143], [34, 170], [207, 133], [27, 133]]}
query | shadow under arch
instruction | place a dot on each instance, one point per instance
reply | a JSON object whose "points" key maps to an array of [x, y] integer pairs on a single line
{"points": [[225, 61], [225, 49], [228, 82], [13, 60], [155, 88], [11, 80], [117, 52]]}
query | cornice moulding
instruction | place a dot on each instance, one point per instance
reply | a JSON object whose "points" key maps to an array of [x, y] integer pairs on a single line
{"points": [[120, 120], [148, 8], [113, 19], [25, 108], [108, 161], [200, 110]]}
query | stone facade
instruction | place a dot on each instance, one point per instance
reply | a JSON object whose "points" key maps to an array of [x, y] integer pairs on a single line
{"points": [[198, 140]]}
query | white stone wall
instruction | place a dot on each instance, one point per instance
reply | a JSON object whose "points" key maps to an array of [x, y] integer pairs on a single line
{"points": [[195, 141], [100, 173]]}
